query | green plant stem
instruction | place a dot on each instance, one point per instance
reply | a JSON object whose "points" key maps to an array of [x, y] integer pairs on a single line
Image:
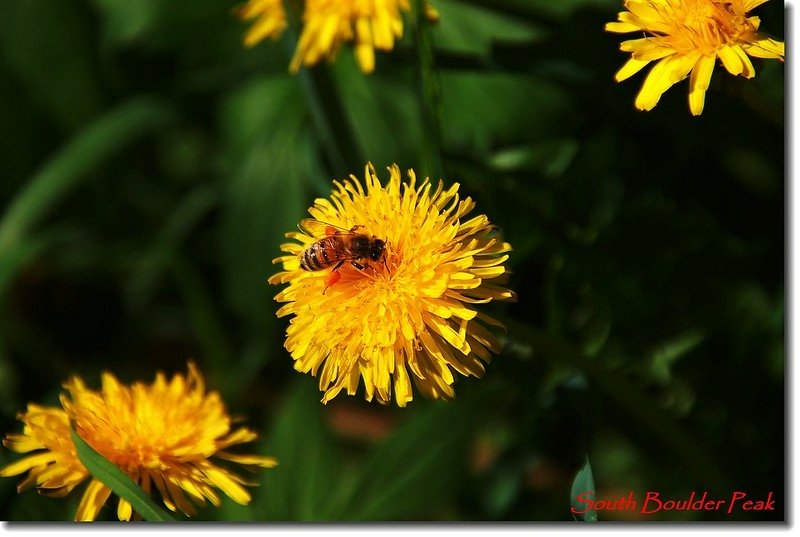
{"points": [[658, 423], [328, 114], [430, 92], [330, 120]]}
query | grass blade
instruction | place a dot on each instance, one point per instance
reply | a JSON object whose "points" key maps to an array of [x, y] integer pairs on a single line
{"points": [[119, 483], [582, 485], [70, 167]]}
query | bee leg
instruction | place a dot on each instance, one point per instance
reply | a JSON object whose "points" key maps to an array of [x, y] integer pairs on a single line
{"points": [[359, 266], [333, 277], [331, 280]]}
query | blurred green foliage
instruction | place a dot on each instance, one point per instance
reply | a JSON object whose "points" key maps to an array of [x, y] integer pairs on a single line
{"points": [[151, 165]]}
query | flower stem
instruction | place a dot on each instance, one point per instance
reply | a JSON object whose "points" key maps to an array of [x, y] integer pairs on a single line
{"points": [[326, 108], [430, 94]]}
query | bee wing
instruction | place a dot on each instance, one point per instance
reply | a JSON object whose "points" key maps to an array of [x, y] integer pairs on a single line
{"points": [[317, 228]]}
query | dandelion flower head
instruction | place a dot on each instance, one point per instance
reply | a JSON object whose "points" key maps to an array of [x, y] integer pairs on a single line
{"points": [[370, 24], [685, 38], [411, 318], [168, 436]]}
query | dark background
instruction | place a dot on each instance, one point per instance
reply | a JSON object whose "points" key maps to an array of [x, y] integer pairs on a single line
{"points": [[150, 165]]}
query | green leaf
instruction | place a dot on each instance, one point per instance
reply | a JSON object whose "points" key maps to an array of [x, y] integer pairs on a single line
{"points": [[582, 484], [152, 264], [303, 484], [669, 352], [473, 25], [119, 483], [271, 157], [125, 21], [415, 467], [69, 168]]}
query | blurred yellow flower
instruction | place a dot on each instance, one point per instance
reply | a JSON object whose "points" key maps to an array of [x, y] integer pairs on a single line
{"points": [[371, 24], [407, 315], [687, 36], [162, 435], [269, 16]]}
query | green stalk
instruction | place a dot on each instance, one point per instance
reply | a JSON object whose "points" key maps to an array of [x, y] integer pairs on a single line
{"points": [[430, 93], [327, 110], [331, 122]]}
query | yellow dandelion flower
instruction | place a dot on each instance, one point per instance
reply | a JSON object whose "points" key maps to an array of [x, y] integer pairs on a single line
{"points": [[162, 435], [269, 17], [371, 24], [687, 37], [406, 311]]}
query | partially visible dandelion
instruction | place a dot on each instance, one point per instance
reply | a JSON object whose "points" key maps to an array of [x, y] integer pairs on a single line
{"points": [[687, 37], [167, 436], [370, 24], [269, 18], [412, 316]]}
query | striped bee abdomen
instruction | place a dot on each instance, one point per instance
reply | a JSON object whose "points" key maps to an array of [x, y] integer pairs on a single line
{"points": [[323, 254]]}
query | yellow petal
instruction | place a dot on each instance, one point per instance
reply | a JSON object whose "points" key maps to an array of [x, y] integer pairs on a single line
{"points": [[748, 5], [26, 463], [621, 27], [648, 48], [643, 10], [630, 68], [402, 385], [659, 80], [765, 48], [447, 332], [256, 460], [699, 82], [226, 484], [730, 59], [176, 493], [93, 499], [365, 55], [748, 71], [22, 443], [124, 510]]}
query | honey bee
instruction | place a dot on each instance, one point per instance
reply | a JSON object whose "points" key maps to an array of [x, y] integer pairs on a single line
{"points": [[338, 246]]}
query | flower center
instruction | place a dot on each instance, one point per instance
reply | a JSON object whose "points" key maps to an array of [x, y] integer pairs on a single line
{"points": [[705, 25]]}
